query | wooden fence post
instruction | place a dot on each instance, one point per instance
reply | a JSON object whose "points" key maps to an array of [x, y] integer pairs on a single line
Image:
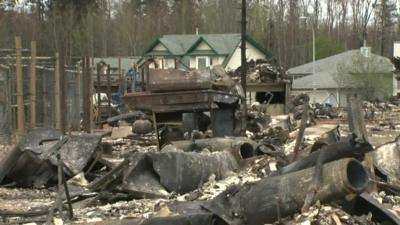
{"points": [[87, 94], [19, 89], [33, 84]]}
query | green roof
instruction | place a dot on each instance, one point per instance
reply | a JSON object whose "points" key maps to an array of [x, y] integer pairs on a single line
{"points": [[221, 44]]}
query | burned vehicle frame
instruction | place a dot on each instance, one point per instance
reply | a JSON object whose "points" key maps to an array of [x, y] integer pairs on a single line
{"points": [[182, 101]]}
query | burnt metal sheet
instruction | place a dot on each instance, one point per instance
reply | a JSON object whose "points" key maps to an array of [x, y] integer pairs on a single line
{"points": [[75, 153], [30, 171], [33, 161], [178, 101], [387, 161], [364, 204], [36, 139], [140, 180], [224, 122], [78, 150]]}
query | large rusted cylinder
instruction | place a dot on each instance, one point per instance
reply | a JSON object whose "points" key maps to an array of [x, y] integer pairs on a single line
{"points": [[264, 201], [154, 175], [183, 172]]}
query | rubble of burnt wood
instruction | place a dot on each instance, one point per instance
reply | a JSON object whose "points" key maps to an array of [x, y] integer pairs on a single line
{"points": [[263, 71], [290, 169]]}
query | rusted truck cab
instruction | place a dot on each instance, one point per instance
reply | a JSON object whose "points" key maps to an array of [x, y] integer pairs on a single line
{"points": [[177, 99]]}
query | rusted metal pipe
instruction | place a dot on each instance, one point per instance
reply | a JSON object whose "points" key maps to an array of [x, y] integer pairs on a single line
{"points": [[256, 203], [330, 153], [131, 116]]}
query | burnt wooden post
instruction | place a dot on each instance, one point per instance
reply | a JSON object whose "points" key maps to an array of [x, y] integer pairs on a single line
{"points": [[98, 69], [19, 88], [244, 65], [86, 94], [302, 129], [109, 89]]}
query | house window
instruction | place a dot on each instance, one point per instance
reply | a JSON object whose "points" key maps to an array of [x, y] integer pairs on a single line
{"points": [[202, 62], [169, 63]]}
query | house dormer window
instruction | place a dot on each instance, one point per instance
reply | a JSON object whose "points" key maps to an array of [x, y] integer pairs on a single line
{"points": [[202, 62]]}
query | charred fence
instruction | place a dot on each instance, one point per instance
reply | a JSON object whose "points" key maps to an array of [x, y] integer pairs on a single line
{"points": [[45, 99]]}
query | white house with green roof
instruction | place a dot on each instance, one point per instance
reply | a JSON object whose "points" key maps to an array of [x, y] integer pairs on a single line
{"points": [[197, 51]]}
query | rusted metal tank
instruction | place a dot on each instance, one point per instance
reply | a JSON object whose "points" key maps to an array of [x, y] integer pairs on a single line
{"points": [[178, 80]]}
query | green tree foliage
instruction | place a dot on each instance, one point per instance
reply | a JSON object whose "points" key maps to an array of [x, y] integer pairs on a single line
{"points": [[325, 46], [371, 76], [127, 27]]}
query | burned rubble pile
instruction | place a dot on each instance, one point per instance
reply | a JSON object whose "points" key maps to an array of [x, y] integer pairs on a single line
{"points": [[262, 71], [288, 169]]}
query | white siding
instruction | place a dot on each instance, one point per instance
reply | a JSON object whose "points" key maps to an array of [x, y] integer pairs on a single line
{"points": [[396, 49], [251, 53], [192, 62], [159, 47], [203, 46], [395, 85], [218, 60]]}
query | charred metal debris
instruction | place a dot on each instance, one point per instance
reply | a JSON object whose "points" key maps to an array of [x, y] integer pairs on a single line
{"points": [[184, 155]]}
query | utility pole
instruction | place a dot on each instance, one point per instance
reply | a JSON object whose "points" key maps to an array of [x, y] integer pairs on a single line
{"points": [[313, 51], [99, 67], [243, 48], [109, 89], [63, 96], [20, 88], [33, 84], [244, 64], [86, 94], [57, 93]]}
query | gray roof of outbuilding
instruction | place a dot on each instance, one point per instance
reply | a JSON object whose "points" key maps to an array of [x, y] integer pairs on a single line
{"points": [[326, 69]]}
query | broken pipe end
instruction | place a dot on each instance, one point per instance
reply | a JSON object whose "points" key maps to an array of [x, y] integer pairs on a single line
{"points": [[355, 176]]}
